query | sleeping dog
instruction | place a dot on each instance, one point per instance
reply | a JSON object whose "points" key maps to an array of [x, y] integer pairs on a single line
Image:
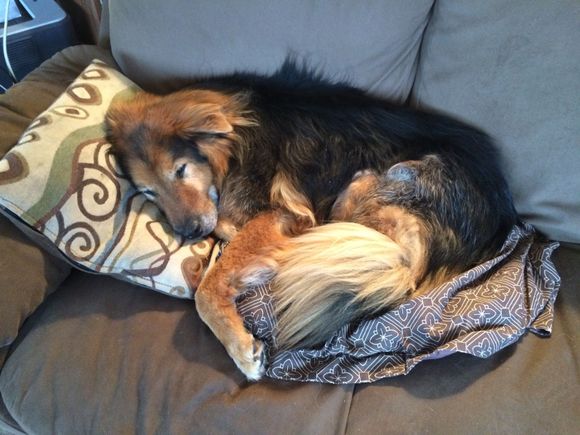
{"points": [[349, 203]]}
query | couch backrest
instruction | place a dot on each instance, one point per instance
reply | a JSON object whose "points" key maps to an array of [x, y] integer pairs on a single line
{"points": [[374, 43], [513, 68]]}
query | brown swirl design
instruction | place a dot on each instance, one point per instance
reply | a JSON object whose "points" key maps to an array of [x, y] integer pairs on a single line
{"points": [[100, 196], [17, 168], [123, 228], [28, 137], [79, 238], [70, 112], [79, 185], [192, 270], [203, 246], [159, 264], [93, 190], [39, 122]]}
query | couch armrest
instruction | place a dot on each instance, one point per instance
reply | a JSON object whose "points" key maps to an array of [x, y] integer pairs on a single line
{"points": [[28, 273]]}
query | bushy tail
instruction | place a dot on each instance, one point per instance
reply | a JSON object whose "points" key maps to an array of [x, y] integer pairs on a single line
{"points": [[334, 274]]}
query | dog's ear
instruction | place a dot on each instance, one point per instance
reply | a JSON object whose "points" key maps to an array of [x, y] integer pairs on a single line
{"points": [[125, 115], [114, 120], [209, 125], [118, 123], [202, 119]]}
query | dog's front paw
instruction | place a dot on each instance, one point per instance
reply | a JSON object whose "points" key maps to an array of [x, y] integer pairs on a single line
{"points": [[250, 357]]}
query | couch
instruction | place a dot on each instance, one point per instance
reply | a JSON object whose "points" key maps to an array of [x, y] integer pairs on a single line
{"points": [[83, 353]]}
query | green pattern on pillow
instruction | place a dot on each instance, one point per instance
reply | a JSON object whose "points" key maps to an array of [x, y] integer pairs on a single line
{"points": [[61, 180]]}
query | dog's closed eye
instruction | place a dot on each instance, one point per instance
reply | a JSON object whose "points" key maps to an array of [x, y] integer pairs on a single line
{"points": [[149, 193], [180, 172]]}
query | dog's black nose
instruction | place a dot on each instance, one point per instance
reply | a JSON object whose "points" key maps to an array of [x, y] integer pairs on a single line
{"points": [[191, 230]]}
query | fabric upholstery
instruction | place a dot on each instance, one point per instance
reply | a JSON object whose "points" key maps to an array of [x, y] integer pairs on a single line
{"points": [[103, 356], [28, 275], [373, 43], [513, 69], [529, 388], [140, 361], [7, 424]]}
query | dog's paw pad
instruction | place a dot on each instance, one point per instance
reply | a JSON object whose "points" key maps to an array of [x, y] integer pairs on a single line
{"points": [[251, 359]]}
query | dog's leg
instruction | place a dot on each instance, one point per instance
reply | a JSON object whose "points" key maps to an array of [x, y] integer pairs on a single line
{"points": [[215, 296]]}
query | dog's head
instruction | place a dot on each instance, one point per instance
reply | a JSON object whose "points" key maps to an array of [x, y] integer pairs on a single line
{"points": [[175, 149]]}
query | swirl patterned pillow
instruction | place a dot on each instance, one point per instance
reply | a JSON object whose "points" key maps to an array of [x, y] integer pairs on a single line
{"points": [[61, 181]]}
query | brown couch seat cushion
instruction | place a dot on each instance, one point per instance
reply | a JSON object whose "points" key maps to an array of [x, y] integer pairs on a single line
{"points": [[103, 356], [528, 388]]}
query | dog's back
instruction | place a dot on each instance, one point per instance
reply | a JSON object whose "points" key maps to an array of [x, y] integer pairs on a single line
{"points": [[316, 135]]}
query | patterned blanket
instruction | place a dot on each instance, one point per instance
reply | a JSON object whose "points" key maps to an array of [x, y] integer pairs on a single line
{"points": [[479, 312]]}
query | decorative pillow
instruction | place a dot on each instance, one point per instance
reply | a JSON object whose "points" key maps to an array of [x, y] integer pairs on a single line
{"points": [[61, 180]]}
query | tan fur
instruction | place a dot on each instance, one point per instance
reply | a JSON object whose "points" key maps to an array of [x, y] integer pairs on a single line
{"points": [[215, 295], [362, 185], [404, 229], [341, 269], [185, 113], [177, 198], [284, 194], [434, 279]]}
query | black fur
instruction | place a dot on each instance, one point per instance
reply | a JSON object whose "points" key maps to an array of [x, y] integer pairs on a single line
{"points": [[321, 133]]}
